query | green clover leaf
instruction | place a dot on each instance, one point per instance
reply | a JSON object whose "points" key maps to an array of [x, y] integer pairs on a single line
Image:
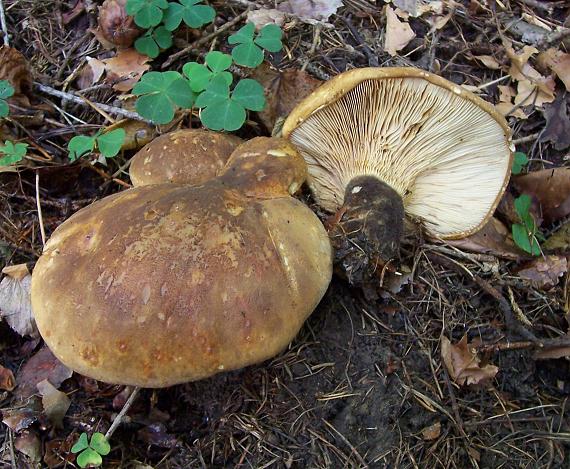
{"points": [[100, 444], [200, 76], [79, 146], [89, 457], [91, 451], [249, 51], [109, 144], [81, 444], [520, 160], [189, 11], [160, 94], [12, 152], [6, 90], [147, 13], [154, 41], [223, 110]]}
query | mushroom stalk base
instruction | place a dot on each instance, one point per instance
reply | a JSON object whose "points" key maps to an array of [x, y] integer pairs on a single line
{"points": [[366, 232]]}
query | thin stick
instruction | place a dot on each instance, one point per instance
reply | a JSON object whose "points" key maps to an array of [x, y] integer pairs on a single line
{"points": [[3, 24], [122, 413], [39, 206], [79, 100], [204, 40]]}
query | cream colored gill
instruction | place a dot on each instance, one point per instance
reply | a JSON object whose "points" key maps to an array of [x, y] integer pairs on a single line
{"points": [[443, 154]]}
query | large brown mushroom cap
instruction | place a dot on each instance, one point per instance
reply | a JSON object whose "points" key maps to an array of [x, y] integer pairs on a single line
{"points": [[171, 283], [187, 156], [445, 151]]}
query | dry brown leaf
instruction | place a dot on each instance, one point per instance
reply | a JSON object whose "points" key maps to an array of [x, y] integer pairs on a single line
{"points": [[14, 68], [557, 129], [15, 301], [283, 91], [312, 12], [7, 380], [126, 69], [398, 34], [544, 272], [488, 60], [43, 365], [29, 444], [265, 16], [91, 73], [559, 241], [506, 104], [535, 93], [558, 62], [432, 432], [463, 364], [551, 187], [55, 403], [493, 239]]}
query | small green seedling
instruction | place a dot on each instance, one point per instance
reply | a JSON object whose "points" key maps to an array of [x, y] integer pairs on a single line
{"points": [[12, 152], [147, 13], [90, 452], [153, 41], [526, 234], [6, 90], [200, 75], [222, 110], [249, 51], [160, 94], [109, 144], [520, 161], [189, 11]]}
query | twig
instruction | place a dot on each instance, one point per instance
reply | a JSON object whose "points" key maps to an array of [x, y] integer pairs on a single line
{"points": [[39, 206], [3, 24], [372, 58], [347, 443], [528, 138], [204, 40], [122, 413], [79, 100]]}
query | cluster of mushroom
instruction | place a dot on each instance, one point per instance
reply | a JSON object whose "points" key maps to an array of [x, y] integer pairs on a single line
{"points": [[210, 264]]}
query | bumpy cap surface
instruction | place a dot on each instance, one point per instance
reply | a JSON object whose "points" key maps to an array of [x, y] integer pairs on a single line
{"points": [[444, 150], [187, 156], [169, 283]]}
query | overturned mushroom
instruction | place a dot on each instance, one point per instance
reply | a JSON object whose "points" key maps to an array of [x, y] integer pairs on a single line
{"points": [[168, 283], [384, 142], [188, 156]]}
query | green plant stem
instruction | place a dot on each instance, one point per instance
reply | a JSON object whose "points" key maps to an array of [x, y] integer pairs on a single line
{"points": [[203, 40], [80, 100]]}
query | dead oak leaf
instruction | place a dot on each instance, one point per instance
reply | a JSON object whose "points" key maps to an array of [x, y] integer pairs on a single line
{"points": [[544, 272], [398, 34], [463, 364], [126, 69], [551, 187]]}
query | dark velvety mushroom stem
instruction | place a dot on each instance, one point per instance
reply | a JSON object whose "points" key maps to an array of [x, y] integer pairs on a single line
{"points": [[367, 230]]}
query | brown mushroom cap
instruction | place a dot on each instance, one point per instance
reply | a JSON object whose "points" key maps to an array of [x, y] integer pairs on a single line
{"points": [[169, 283], [188, 156], [445, 151]]}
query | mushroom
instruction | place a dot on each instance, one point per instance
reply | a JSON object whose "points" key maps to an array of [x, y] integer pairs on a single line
{"points": [[168, 283], [382, 143], [187, 156]]}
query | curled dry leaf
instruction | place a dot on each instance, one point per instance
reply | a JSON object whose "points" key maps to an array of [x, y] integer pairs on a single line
{"points": [[43, 365], [7, 380], [492, 239], [311, 12], [15, 302], [14, 68], [126, 69], [91, 73], [551, 187], [55, 403], [488, 60], [544, 272], [558, 62], [463, 364], [557, 128], [265, 16], [398, 34], [283, 91], [506, 105], [432, 432]]}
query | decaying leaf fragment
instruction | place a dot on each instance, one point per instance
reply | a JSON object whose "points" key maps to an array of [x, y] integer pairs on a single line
{"points": [[126, 69], [557, 128], [544, 272], [398, 33], [14, 68], [55, 402], [311, 12], [15, 303], [463, 364]]}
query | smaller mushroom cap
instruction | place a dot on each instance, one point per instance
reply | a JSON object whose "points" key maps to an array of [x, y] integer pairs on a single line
{"points": [[188, 156], [445, 151]]}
